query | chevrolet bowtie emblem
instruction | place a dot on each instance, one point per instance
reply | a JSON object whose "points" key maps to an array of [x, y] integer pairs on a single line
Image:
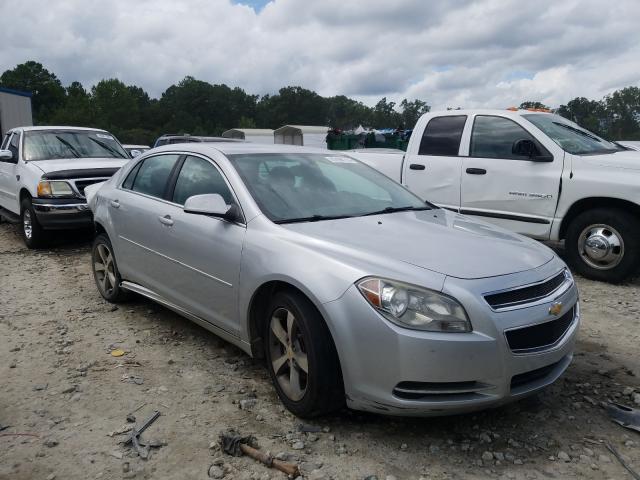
{"points": [[556, 308]]}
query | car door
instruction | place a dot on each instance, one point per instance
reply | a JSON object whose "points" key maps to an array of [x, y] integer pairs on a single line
{"points": [[516, 191], [136, 213], [434, 172], [205, 251], [8, 180]]}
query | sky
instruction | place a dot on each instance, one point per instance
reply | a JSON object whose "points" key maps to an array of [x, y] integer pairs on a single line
{"points": [[449, 53]]}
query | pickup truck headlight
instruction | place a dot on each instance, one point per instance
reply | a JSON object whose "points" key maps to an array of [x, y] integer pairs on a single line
{"points": [[414, 307], [55, 189]]}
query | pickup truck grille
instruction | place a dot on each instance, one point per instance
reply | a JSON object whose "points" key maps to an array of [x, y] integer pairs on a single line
{"points": [[527, 294], [85, 182], [541, 336]]}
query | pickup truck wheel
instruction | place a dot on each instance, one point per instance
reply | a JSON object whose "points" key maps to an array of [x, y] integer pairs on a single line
{"points": [[301, 357], [105, 270], [32, 232], [604, 244]]}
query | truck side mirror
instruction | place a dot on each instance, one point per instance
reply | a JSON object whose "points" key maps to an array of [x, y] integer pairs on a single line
{"points": [[8, 156], [524, 148]]}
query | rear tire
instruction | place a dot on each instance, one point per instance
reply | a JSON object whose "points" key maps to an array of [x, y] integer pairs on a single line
{"points": [[604, 244], [32, 232], [297, 339], [105, 270]]}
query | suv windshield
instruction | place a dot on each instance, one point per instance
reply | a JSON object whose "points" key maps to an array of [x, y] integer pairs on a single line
{"points": [[570, 136], [59, 144], [305, 187]]}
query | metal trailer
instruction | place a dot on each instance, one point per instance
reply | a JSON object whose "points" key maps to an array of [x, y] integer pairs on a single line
{"points": [[15, 109]]}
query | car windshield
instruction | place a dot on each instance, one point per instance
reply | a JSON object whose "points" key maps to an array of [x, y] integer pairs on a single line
{"points": [[570, 136], [303, 187], [59, 144]]}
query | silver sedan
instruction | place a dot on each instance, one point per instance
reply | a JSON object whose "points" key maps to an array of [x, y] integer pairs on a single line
{"points": [[349, 286]]}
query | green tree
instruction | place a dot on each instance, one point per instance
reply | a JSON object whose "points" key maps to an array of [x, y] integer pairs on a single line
{"points": [[291, 106], [384, 115], [48, 93], [412, 111], [532, 104], [77, 108], [623, 114]]}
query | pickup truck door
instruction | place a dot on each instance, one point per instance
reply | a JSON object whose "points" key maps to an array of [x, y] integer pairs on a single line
{"points": [[503, 186], [433, 165], [8, 180]]}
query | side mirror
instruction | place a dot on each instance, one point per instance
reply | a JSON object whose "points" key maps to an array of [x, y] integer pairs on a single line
{"points": [[135, 153], [213, 205], [524, 148], [7, 156], [527, 148]]}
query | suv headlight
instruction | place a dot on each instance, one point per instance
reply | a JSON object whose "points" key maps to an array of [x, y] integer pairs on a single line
{"points": [[55, 189], [414, 307]]}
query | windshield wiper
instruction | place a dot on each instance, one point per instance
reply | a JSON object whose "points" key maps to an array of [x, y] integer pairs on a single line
{"points": [[107, 147], [312, 218], [396, 209], [68, 145]]}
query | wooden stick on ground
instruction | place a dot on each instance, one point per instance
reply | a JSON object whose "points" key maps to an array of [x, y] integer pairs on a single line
{"points": [[285, 467]]}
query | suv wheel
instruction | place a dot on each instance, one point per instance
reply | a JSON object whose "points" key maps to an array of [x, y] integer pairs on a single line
{"points": [[105, 270], [301, 357], [604, 244], [32, 232]]}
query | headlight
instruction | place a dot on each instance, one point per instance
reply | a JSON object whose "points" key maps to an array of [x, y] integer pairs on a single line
{"points": [[55, 189], [414, 307]]}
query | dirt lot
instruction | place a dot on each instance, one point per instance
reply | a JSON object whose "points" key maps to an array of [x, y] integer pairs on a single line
{"points": [[64, 393]]}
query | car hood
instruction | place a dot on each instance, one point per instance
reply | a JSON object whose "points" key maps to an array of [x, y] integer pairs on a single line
{"points": [[48, 166], [437, 240], [627, 159]]}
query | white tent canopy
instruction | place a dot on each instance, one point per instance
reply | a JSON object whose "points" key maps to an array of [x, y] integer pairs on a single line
{"points": [[306, 135], [253, 135]]}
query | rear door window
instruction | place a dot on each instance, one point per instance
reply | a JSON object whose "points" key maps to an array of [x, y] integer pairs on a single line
{"points": [[442, 136], [153, 175]]}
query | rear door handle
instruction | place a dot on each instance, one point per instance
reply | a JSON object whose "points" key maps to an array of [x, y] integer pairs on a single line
{"points": [[476, 171], [115, 203], [417, 166], [166, 220]]}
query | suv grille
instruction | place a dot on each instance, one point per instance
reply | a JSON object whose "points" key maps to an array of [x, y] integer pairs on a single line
{"points": [[520, 296], [82, 184], [540, 336]]}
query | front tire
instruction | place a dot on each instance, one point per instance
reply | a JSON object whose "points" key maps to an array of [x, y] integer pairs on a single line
{"points": [[604, 244], [32, 232], [301, 356], [105, 270]]}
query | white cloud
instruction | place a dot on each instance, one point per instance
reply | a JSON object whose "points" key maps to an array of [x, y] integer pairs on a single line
{"points": [[491, 53]]}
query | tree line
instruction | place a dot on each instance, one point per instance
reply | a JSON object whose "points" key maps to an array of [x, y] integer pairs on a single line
{"points": [[201, 108]]}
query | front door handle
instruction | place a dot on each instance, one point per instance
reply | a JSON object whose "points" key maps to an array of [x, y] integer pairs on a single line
{"points": [[476, 171], [417, 166], [166, 220], [115, 203]]}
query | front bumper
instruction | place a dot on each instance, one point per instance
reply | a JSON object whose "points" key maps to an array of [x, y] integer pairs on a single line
{"points": [[397, 371], [59, 214]]}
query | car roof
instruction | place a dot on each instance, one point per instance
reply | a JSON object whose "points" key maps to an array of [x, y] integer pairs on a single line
{"points": [[237, 148], [58, 127], [129, 145], [487, 111]]}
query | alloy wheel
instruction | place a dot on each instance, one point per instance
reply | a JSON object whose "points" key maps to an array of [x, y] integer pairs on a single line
{"points": [[288, 354], [601, 246], [104, 268]]}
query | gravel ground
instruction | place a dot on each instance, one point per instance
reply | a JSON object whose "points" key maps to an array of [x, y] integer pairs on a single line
{"points": [[63, 395]]}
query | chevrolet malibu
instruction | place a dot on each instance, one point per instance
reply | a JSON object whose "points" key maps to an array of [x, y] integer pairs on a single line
{"points": [[352, 289]]}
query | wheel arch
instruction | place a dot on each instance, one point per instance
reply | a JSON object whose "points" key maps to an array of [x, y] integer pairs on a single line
{"points": [[260, 301], [24, 193], [591, 203]]}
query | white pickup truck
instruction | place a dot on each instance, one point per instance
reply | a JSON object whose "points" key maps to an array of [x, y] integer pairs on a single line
{"points": [[531, 172], [43, 173]]}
